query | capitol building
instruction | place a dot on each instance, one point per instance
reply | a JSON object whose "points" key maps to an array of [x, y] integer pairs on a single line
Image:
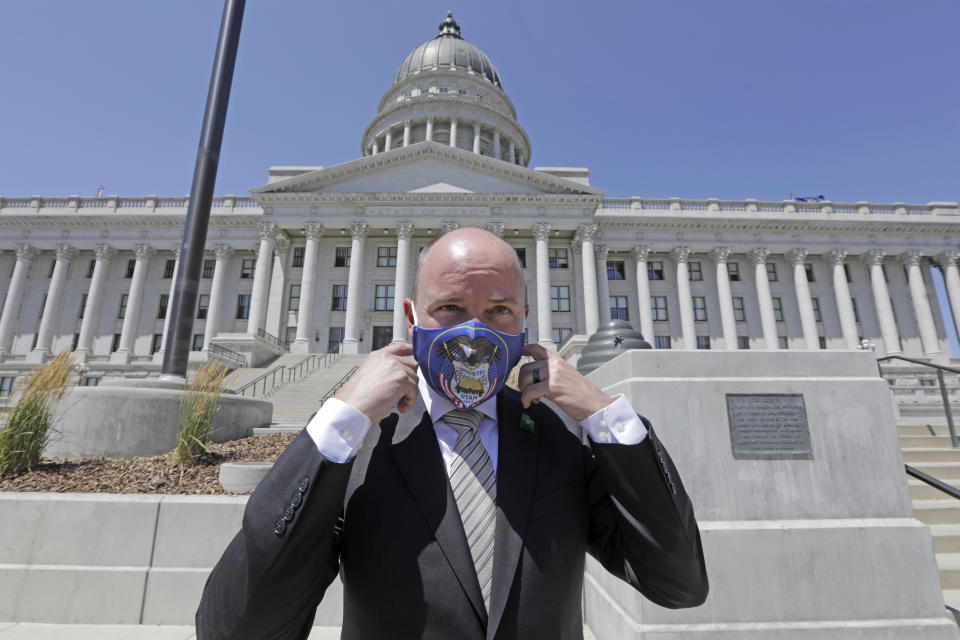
{"points": [[319, 259]]}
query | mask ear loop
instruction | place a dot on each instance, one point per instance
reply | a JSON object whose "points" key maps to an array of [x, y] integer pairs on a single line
{"points": [[413, 308]]}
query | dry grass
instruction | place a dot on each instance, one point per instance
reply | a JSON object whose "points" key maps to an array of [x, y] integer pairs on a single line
{"points": [[201, 399], [29, 423]]}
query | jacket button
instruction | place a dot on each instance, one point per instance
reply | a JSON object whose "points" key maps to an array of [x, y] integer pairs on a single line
{"points": [[280, 527], [304, 485], [296, 500], [288, 513]]}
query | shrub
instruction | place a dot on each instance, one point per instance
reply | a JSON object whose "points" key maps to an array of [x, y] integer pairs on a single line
{"points": [[197, 409], [29, 423]]}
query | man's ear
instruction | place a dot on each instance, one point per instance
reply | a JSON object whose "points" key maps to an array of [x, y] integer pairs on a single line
{"points": [[408, 312]]}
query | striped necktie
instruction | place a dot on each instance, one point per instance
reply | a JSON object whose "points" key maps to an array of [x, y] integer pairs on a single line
{"points": [[474, 485]]}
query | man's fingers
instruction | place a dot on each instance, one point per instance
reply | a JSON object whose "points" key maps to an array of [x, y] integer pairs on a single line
{"points": [[398, 349], [533, 393], [535, 351]]}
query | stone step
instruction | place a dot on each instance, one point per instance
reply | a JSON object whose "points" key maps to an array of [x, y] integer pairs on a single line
{"points": [[949, 472], [946, 538], [911, 456], [926, 442], [937, 511], [920, 430], [920, 490], [949, 564], [951, 597]]}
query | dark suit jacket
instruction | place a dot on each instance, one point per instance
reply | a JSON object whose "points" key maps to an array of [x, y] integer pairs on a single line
{"points": [[388, 523]]}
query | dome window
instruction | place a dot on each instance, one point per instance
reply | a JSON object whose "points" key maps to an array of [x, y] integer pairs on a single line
{"points": [[462, 92], [444, 90]]}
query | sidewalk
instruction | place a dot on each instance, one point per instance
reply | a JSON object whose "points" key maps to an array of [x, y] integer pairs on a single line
{"points": [[35, 631]]}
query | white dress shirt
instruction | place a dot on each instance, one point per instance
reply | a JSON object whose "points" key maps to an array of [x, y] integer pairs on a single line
{"points": [[338, 429]]}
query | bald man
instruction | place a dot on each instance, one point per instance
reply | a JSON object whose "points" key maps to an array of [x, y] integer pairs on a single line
{"points": [[450, 505]]}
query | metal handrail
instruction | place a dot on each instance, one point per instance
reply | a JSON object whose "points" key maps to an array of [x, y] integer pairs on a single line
{"points": [[228, 354], [955, 443], [272, 339], [272, 374], [342, 381], [948, 489]]}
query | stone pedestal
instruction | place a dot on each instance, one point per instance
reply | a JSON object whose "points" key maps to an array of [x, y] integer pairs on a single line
{"points": [[816, 545]]}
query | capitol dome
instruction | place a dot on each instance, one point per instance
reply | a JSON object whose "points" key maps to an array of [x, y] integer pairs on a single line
{"points": [[448, 50]]}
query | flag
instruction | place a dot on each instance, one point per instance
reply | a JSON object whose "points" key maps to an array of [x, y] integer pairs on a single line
{"points": [[100, 192], [809, 199]]}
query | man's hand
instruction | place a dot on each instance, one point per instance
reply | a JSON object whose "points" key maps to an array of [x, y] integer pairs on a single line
{"points": [[387, 378], [550, 376]]}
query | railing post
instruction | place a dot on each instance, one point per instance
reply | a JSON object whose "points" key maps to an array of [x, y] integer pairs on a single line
{"points": [[946, 409]]}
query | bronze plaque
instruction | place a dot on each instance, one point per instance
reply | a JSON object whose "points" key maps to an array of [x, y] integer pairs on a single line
{"points": [[768, 426]]}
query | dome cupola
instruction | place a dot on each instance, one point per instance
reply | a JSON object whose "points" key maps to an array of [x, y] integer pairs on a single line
{"points": [[448, 50]]}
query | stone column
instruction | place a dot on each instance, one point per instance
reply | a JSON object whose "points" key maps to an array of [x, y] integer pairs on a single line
{"points": [[496, 145], [881, 300], [841, 291], [376, 147], [511, 152], [261, 279], [131, 319], [640, 254], [586, 233], [388, 140], [541, 232], [476, 137], [767, 321], [603, 283], [166, 317], [91, 313], [308, 284], [429, 136], [351, 331], [51, 310], [11, 308], [680, 256], [401, 278], [948, 263], [727, 320], [921, 305], [406, 133], [276, 309], [215, 310], [802, 287], [453, 132]]}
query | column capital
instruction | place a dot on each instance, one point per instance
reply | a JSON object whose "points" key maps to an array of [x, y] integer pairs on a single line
{"points": [[600, 252], [177, 248], [680, 254], [266, 230], [313, 230], [222, 251], [65, 252], [281, 246], [26, 251], [449, 225], [143, 251], [835, 257], [586, 233], [541, 231], [874, 257], [359, 230], [797, 256], [947, 258], [104, 251], [640, 253], [576, 248], [911, 258], [496, 228], [758, 255], [404, 230], [721, 254]]}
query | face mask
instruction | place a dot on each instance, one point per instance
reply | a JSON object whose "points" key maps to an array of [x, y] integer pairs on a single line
{"points": [[468, 362]]}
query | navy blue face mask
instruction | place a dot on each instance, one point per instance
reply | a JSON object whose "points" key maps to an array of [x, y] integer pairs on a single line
{"points": [[468, 362]]}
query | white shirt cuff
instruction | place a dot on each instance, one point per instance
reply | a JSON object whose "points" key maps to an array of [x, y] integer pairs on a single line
{"points": [[338, 429], [616, 423]]}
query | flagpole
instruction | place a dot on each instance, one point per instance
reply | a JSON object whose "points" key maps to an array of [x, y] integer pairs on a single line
{"points": [[177, 338]]}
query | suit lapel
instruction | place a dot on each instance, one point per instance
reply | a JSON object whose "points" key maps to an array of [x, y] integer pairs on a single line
{"points": [[417, 454], [516, 469]]}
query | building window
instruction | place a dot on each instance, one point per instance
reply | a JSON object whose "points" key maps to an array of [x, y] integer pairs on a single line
{"points": [[815, 303], [116, 342], [521, 256], [92, 381], [777, 309], [386, 256], [291, 335], [703, 342], [75, 342], [43, 306], [83, 305], [294, 303], [122, 311], [618, 308], [658, 308], [856, 315], [733, 271], [782, 342], [381, 337], [203, 305], [168, 268], [661, 342], [131, 265], [743, 342], [248, 268], [298, 256], [6, 386], [558, 258], [336, 337], [616, 270], [809, 269], [384, 298], [699, 309], [926, 382], [197, 344], [342, 257], [208, 267], [53, 265], [462, 92], [694, 272], [559, 298], [823, 342], [739, 313], [162, 307], [846, 272], [91, 267], [655, 270], [771, 272], [339, 301], [444, 90], [559, 334], [155, 343], [243, 306]]}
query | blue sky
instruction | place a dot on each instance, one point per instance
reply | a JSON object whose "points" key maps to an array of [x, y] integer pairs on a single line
{"points": [[852, 99]]}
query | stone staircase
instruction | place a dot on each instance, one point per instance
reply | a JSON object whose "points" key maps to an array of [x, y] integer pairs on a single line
{"points": [[294, 403], [928, 448]]}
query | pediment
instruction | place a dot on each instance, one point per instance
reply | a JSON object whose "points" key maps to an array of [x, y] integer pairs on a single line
{"points": [[427, 167]]}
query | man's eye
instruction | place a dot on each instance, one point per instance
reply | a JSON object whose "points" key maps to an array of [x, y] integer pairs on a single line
{"points": [[501, 309], [450, 308]]}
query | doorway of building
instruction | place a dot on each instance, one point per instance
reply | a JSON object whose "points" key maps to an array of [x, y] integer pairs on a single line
{"points": [[382, 337]]}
